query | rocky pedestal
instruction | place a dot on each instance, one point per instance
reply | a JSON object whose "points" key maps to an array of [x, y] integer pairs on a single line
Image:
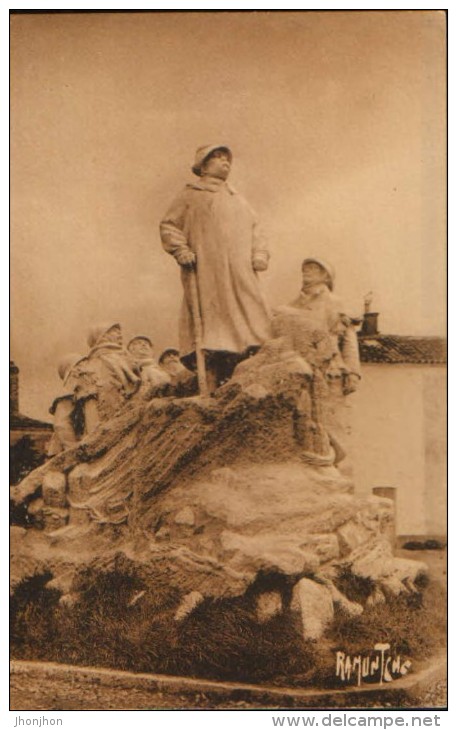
{"points": [[215, 498]]}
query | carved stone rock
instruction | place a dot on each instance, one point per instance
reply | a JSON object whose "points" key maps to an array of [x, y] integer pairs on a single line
{"points": [[209, 496], [268, 605], [315, 604], [54, 489]]}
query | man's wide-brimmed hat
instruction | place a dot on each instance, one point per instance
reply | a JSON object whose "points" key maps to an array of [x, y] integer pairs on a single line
{"points": [[325, 265], [203, 152]]}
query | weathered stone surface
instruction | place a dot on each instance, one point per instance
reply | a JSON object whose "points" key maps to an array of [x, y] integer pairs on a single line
{"points": [[107, 437], [33, 554], [35, 512], [375, 598], [63, 582], [54, 489], [393, 587], [408, 570], [260, 517], [17, 534], [91, 497], [209, 497], [54, 517], [256, 391], [80, 480], [272, 366], [350, 608], [325, 546], [379, 515], [188, 604], [267, 552], [351, 535], [185, 516], [268, 605], [393, 575], [79, 515], [215, 534], [150, 447], [69, 600], [224, 475], [314, 601]]}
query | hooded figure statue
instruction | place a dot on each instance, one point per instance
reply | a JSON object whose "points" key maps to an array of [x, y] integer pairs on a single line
{"points": [[106, 345], [210, 228], [109, 375]]}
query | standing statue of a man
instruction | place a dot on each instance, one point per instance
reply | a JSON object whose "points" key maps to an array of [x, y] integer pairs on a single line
{"points": [[212, 231], [315, 325]]}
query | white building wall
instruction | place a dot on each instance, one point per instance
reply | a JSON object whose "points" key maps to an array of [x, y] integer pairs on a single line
{"points": [[398, 440], [434, 384]]}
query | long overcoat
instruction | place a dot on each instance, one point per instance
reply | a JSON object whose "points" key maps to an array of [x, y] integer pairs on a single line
{"points": [[219, 226]]}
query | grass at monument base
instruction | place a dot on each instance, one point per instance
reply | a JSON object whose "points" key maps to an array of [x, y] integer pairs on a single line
{"points": [[115, 625]]}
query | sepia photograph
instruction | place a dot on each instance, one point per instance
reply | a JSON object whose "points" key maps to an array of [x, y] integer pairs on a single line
{"points": [[228, 381]]}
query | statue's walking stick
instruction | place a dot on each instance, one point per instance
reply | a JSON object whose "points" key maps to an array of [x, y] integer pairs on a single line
{"points": [[198, 332]]}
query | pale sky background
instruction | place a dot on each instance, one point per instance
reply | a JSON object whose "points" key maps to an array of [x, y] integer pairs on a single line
{"points": [[337, 125]]}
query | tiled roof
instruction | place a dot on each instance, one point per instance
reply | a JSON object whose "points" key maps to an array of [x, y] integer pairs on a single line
{"points": [[402, 349]]}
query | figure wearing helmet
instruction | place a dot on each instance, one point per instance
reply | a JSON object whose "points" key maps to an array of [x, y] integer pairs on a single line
{"points": [[318, 328], [315, 325], [109, 375], [183, 381], [212, 228], [154, 380]]}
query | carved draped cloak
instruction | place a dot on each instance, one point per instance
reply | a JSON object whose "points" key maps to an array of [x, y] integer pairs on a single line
{"points": [[219, 226]]}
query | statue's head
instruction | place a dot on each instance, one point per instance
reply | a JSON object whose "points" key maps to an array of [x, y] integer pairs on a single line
{"points": [[317, 271], [169, 355], [214, 160], [170, 362], [105, 333], [141, 347]]}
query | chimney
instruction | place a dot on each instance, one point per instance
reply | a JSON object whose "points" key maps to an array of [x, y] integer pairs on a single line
{"points": [[14, 389], [370, 324], [370, 319]]}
